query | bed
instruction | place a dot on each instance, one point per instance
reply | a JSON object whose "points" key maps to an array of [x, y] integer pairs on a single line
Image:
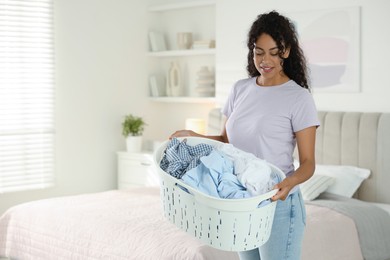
{"points": [[129, 224]]}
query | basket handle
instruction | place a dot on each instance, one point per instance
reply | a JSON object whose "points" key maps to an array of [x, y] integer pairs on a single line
{"points": [[189, 189], [252, 202]]}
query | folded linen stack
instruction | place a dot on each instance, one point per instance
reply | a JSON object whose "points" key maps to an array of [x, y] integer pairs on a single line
{"points": [[203, 44], [205, 81]]}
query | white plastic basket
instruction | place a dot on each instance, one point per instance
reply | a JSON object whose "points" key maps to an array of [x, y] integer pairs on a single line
{"points": [[226, 224]]}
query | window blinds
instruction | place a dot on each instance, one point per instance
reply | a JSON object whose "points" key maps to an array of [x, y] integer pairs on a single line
{"points": [[26, 95]]}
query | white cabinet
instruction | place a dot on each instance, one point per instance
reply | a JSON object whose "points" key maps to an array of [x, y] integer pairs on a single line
{"points": [[196, 17], [136, 169]]}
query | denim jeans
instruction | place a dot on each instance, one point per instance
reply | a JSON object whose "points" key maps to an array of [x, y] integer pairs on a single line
{"points": [[287, 232]]}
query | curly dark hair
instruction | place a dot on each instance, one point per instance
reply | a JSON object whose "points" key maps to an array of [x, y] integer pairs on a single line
{"points": [[283, 31]]}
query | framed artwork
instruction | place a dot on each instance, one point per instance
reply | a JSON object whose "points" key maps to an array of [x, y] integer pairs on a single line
{"points": [[330, 39]]}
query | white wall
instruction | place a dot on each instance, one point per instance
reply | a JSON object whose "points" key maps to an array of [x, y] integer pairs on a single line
{"points": [[100, 68], [234, 19]]}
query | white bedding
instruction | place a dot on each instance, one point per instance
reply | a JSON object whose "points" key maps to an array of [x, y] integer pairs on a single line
{"points": [[108, 225], [130, 225]]}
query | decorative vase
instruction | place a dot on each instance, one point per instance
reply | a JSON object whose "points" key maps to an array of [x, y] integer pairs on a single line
{"points": [[134, 144], [184, 40], [174, 87]]}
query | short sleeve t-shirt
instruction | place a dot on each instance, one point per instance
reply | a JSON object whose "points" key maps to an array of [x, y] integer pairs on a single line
{"points": [[263, 120]]}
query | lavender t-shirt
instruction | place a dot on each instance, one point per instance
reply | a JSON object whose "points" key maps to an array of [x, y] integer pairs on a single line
{"points": [[263, 120]]}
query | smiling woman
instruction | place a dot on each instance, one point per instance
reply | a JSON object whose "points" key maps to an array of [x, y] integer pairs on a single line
{"points": [[268, 114], [268, 62]]}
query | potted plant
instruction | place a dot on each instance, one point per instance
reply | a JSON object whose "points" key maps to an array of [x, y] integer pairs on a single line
{"points": [[132, 130]]}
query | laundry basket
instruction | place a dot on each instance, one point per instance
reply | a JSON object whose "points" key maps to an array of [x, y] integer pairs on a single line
{"points": [[226, 224]]}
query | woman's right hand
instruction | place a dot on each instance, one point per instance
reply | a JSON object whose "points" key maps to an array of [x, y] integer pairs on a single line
{"points": [[184, 133]]}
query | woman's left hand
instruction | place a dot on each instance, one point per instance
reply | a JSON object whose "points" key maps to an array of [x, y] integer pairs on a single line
{"points": [[284, 188], [183, 133]]}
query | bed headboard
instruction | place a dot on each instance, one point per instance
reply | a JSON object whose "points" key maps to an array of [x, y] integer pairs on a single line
{"points": [[350, 138], [360, 139]]}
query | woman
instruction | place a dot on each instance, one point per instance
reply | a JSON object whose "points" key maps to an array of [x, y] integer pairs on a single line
{"points": [[268, 114]]}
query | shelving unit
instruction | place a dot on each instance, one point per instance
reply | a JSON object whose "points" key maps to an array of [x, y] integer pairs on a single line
{"points": [[182, 53], [170, 19], [180, 5]]}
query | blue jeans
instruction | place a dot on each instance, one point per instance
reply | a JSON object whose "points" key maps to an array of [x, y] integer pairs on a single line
{"points": [[287, 232]]}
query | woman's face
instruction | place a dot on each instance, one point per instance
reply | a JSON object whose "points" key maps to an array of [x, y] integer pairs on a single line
{"points": [[267, 60]]}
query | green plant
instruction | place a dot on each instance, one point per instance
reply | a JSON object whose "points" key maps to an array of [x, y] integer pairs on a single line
{"points": [[132, 125]]}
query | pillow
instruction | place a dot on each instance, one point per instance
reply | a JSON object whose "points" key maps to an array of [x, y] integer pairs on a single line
{"points": [[347, 179], [316, 185]]}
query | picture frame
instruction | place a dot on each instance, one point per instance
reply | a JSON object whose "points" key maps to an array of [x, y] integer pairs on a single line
{"points": [[330, 39]]}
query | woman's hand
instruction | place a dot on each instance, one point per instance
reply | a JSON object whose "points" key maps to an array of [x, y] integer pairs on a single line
{"points": [[284, 188], [184, 133]]}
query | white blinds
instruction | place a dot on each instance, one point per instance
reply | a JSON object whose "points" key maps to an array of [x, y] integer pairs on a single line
{"points": [[26, 95]]}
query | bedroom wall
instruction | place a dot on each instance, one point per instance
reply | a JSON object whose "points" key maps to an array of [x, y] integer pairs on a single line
{"points": [[375, 90]]}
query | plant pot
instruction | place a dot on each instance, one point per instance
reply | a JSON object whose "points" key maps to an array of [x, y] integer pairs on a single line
{"points": [[134, 143]]}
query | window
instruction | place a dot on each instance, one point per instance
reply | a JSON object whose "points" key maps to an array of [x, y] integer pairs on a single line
{"points": [[26, 95]]}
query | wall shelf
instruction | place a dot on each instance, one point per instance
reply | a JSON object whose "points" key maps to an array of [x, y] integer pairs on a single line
{"points": [[180, 5], [178, 53], [187, 17]]}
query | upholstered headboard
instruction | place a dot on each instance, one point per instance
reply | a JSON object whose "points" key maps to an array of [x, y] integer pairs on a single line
{"points": [[360, 139], [349, 138]]}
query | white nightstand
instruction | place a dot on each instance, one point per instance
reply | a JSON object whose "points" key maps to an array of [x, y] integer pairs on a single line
{"points": [[136, 169]]}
